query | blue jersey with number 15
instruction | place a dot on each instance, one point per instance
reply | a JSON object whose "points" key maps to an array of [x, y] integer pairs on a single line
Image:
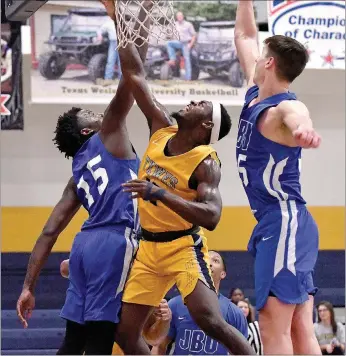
{"points": [[99, 177]]}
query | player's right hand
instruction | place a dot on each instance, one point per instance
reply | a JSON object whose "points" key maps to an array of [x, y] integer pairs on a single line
{"points": [[25, 306]]}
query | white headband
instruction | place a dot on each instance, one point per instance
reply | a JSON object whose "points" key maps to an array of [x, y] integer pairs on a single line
{"points": [[215, 132]]}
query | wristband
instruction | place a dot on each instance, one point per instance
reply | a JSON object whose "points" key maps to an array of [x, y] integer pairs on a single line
{"points": [[153, 196]]}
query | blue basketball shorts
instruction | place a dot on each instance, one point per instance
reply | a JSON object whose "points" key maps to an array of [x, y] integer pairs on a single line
{"points": [[100, 260], [285, 246]]}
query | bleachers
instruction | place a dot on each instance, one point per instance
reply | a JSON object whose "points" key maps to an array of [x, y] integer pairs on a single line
{"points": [[46, 328], [329, 275], [50, 289], [43, 337]]}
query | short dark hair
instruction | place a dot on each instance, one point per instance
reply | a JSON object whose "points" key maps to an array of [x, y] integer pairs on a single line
{"points": [[290, 55], [226, 123], [68, 138], [232, 291], [222, 259]]}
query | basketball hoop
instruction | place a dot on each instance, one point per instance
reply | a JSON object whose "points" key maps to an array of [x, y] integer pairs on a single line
{"points": [[160, 13]]}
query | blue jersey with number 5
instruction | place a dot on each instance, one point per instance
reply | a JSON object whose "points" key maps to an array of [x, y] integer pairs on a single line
{"points": [[270, 172], [99, 177]]}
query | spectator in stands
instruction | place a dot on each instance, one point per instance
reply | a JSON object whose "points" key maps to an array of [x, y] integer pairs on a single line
{"points": [[254, 336], [236, 294], [329, 333], [187, 35], [113, 59]]}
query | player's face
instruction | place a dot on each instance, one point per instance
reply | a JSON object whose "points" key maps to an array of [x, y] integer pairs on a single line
{"points": [[244, 307], [216, 266], [262, 64], [201, 109], [87, 119]]}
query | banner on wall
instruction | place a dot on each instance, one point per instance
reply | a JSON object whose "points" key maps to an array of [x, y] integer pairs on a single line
{"points": [[73, 57], [319, 25], [11, 103]]}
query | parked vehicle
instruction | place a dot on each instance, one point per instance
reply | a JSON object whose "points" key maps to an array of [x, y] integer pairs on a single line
{"points": [[217, 53], [77, 42]]}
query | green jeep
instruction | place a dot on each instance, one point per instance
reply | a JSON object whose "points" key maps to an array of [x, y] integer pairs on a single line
{"points": [[77, 42]]}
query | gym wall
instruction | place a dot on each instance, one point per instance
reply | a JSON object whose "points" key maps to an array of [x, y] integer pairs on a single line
{"points": [[34, 173]]}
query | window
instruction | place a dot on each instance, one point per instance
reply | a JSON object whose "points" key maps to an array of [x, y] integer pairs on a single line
{"points": [[56, 23]]}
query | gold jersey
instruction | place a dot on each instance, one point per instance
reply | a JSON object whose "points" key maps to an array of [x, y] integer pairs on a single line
{"points": [[171, 173]]}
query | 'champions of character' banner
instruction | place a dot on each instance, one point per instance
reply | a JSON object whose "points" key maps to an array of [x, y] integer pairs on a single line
{"points": [[319, 25], [74, 57], [11, 103]]}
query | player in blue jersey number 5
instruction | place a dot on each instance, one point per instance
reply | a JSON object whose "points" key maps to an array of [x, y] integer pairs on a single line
{"points": [[273, 128]]}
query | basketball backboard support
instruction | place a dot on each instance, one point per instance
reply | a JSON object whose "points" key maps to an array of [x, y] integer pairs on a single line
{"points": [[21, 10]]}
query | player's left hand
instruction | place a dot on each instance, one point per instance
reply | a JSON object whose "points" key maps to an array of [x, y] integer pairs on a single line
{"points": [[143, 189], [163, 311], [306, 137]]}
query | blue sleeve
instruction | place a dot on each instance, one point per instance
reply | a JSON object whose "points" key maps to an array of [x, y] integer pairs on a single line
{"points": [[236, 318], [172, 333]]}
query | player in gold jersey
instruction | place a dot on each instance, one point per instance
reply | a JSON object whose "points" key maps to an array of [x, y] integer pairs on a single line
{"points": [[178, 194]]}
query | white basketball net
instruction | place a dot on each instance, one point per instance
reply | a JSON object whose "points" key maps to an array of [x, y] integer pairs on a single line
{"points": [[161, 16]]}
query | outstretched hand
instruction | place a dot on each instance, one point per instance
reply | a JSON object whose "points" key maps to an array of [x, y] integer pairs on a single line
{"points": [[306, 137]]}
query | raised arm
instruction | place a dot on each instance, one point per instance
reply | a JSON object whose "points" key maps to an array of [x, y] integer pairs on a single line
{"points": [[205, 211], [114, 125], [134, 72], [246, 40], [296, 118], [62, 214]]}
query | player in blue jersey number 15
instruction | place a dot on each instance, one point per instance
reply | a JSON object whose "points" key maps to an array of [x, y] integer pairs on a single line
{"points": [[102, 160]]}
